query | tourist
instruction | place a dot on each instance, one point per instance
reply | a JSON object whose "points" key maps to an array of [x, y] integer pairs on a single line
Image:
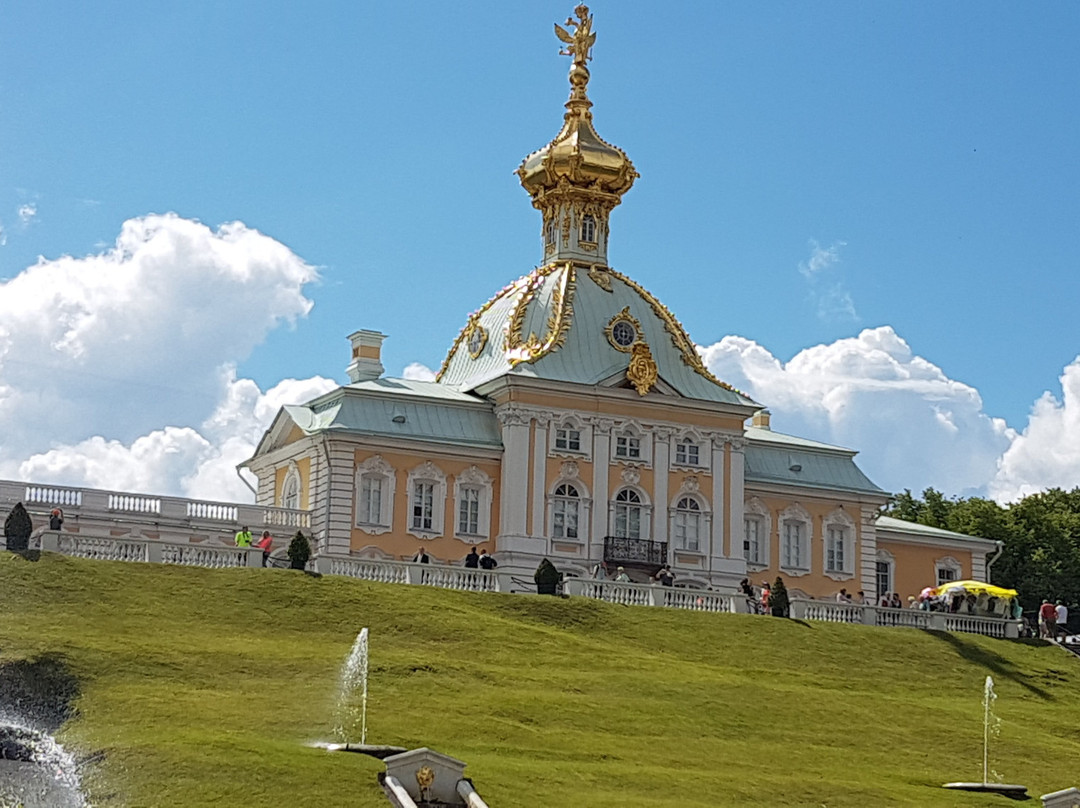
{"points": [[664, 576], [600, 571], [264, 545], [621, 576], [486, 561], [842, 596], [894, 601], [472, 560], [1061, 617], [421, 557], [861, 599], [56, 519], [912, 603], [766, 592], [244, 537], [1047, 620]]}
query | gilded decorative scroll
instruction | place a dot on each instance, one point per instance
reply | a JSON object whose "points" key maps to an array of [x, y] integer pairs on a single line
{"points": [[642, 371]]}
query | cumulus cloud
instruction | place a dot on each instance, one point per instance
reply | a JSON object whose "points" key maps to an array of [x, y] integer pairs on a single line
{"points": [[134, 346], [914, 426], [1047, 453], [418, 372]]}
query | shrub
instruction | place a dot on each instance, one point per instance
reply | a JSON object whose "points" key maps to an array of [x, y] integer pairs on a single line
{"points": [[778, 598], [299, 551], [547, 578], [17, 528]]}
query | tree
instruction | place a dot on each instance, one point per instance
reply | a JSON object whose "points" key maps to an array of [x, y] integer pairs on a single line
{"points": [[299, 551], [17, 528]]}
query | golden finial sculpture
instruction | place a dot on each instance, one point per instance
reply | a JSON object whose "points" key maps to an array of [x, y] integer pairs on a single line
{"points": [[579, 43]]}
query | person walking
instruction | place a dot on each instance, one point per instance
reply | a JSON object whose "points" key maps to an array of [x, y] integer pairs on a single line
{"points": [[1061, 617], [486, 560], [472, 560], [244, 537], [1047, 620], [264, 545]]}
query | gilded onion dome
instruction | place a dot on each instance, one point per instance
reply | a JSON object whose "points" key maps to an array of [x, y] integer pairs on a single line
{"points": [[578, 178]]}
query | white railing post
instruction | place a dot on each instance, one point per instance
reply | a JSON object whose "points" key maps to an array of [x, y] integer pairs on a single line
{"points": [[414, 574], [504, 582], [797, 609], [50, 541], [153, 552], [869, 615], [322, 564]]}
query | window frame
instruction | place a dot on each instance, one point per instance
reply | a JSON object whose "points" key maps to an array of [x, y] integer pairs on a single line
{"points": [[473, 480], [681, 513], [839, 520], [796, 516], [755, 510], [640, 505], [588, 221], [427, 473], [372, 468]]}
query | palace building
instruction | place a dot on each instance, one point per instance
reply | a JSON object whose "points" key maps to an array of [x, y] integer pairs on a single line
{"points": [[573, 419]]}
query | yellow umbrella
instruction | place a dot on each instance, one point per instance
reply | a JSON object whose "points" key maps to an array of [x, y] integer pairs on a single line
{"points": [[976, 588]]}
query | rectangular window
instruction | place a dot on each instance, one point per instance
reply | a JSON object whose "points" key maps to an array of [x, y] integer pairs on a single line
{"points": [[945, 574], [686, 454], [371, 500], [423, 510], [628, 447], [565, 519], [687, 530], [469, 511], [884, 579], [567, 439], [835, 539], [793, 545], [628, 521], [752, 541]]}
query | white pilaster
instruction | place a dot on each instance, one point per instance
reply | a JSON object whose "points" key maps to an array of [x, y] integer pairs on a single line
{"points": [[736, 485], [539, 473], [868, 549], [515, 471], [601, 429], [716, 544], [661, 455]]}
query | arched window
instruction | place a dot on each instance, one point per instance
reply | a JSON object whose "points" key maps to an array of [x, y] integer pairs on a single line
{"points": [[375, 495], [565, 510], [757, 523], [687, 531], [795, 535], [549, 232], [588, 229], [628, 512], [427, 500], [290, 490]]}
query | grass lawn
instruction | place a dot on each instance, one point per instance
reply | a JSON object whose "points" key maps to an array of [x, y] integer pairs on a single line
{"points": [[201, 687]]}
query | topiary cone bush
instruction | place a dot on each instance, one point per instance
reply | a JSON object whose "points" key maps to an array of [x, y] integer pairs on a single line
{"points": [[299, 551], [17, 528], [547, 578], [778, 599]]}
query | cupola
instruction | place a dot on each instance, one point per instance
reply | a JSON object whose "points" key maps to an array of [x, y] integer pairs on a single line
{"points": [[578, 178]]}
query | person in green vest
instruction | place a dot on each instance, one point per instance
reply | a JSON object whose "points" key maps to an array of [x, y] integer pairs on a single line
{"points": [[243, 538]]}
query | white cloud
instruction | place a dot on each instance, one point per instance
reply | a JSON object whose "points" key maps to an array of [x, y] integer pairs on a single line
{"points": [[1047, 453], [27, 212], [418, 372], [144, 334], [821, 258], [914, 426]]}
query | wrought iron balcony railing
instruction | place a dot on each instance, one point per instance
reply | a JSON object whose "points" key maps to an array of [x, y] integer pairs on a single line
{"points": [[622, 550]]}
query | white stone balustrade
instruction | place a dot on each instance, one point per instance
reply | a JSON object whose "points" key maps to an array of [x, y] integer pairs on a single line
{"points": [[631, 594], [96, 512], [903, 618], [150, 551]]}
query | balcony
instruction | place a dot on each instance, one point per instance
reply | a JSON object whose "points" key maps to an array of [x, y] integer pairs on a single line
{"points": [[619, 550]]}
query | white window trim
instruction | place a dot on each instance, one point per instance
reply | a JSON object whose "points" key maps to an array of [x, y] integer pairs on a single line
{"points": [[797, 513], [646, 512], [473, 477], [377, 467], [644, 444], [754, 508], [292, 476], [885, 557], [430, 473], [570, 422], [948, 563], [704, 450], [839, 518], [584, 511], [704, 521]]}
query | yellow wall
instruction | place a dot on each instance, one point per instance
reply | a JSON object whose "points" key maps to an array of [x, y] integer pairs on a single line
{"points": [[399, 542], [915, 565]]}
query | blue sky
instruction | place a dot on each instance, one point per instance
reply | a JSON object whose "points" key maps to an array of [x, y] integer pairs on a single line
{"points": [[809, 171]]}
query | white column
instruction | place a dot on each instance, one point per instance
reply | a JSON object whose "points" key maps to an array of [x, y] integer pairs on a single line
{"points": [[515, 471], [661, 468], [539, 473], [867, 554], [601, 457], [736, 486]]}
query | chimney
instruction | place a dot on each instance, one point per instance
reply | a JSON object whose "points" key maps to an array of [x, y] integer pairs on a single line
{"points": [[761, 419], [366, 347]]}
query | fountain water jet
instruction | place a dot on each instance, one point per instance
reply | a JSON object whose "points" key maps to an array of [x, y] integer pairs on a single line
{"points": [[991, 726], [354, 676]]}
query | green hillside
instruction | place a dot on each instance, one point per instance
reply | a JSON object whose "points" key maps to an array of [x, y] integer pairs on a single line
{"points": [[201, 687]]}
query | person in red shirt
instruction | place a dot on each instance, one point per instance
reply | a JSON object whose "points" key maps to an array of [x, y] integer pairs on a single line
{"points": [[264, 545], [1048, 620]]}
